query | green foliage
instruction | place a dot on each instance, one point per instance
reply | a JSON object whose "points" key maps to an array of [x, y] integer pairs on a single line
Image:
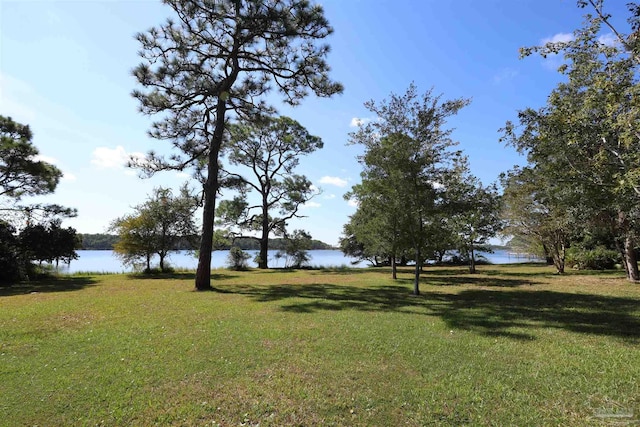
{"points": [[157, 227], [49, 242], [137, 239], [295, 251], [38, 242], [10, 264], [473, 213], [539, 212], [220, 59], [361, 240], [101, 241], [599, 258], [267, 153], [21, 173], [237, 259], [406, 157], [98, 241], [582, 145]]}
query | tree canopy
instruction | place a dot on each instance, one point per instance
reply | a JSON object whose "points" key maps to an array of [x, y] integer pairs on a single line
{"points": [[156, 227], [267, 153], [21, 172], [582, 145], [217, 60], [407, 154]]}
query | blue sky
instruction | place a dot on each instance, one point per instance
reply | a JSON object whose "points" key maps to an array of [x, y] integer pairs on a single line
{"points": [[65, 70]]}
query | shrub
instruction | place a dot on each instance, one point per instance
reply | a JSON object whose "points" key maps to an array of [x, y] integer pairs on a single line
{"points": [[237, 259], [598, 258]]}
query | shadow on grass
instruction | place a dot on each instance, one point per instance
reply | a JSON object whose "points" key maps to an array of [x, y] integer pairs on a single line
{"points": [[350, 270], [490, 312], [156, 276], [179, 276], [60, 284], [475, 280]]}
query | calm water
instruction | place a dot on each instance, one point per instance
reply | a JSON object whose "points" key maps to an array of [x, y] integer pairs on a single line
{"points": [[105, 261]]}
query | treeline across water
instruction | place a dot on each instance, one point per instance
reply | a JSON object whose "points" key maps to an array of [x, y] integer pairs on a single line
{"points": [[106, 242]]}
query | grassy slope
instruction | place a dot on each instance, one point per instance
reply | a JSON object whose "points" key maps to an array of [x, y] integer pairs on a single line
{"points": [[507, 346]]}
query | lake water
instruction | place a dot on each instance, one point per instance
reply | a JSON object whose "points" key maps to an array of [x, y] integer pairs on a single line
{"points": [[105, 261]]}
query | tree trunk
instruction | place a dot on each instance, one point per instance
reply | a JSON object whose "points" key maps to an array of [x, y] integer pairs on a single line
{"points": [[623, 257], [558, 259], [627, 247], [161, 255], [416, 281], [264, 239], [472, 261], [203, 273], [148, 263], [631, 260], [394, 269]]}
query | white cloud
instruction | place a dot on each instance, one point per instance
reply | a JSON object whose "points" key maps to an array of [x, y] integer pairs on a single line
{"points": [[113, 158], [609, 39], [358, 121], [558, 38], [353, 203], [553, 61], [334, 180], [311, 205], [330, 196], [69, 177]]}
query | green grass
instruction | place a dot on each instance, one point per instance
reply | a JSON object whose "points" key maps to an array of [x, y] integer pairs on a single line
{"points": [[511, 345]]}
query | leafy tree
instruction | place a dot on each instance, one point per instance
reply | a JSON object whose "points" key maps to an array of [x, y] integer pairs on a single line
{"points": [[237, 258], [269, 152], [137, 242], [173, 218], [48, 242], [537, 211], [585, 139], [63, 243], [21, 173], [296, 249], [218, 60], [629, 42], [474, 214], [9, 254], [377, 224], [367, 237], [406, 157], [34, 243], [156, 227]]}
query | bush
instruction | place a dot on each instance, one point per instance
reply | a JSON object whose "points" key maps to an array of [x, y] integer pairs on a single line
{"points": [[295, 250], [599, 258], [237, 259]]}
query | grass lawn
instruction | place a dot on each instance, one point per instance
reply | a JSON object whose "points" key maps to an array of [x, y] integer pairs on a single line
{"points": [[511, 345]]}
